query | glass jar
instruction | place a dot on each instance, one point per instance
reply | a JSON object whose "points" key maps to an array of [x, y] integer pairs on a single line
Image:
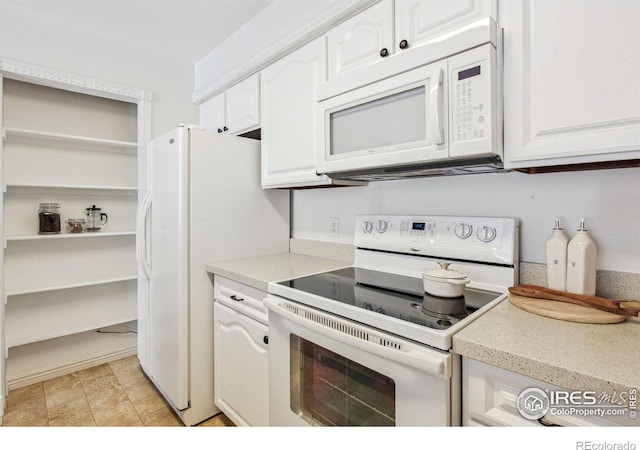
{"points": [[49, 218], [76, 225]]}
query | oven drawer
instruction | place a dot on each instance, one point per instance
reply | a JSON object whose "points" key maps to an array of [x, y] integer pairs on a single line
{"points": [[241, 298]]}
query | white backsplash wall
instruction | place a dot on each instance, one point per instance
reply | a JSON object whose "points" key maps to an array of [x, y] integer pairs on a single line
{"points": [[609, 200]]}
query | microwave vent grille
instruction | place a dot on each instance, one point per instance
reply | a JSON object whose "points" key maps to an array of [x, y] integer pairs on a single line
{"points": [[490, 164]]}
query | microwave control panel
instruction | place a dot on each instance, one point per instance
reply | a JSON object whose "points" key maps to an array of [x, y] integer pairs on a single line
{"points": [[471, 94]]}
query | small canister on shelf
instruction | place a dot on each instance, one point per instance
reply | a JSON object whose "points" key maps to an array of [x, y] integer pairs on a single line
{"points": [[76, 225], [49, 218]]}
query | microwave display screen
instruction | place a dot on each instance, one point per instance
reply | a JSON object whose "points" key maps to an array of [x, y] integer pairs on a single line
{"points": [[418, 226], [468, 73]]}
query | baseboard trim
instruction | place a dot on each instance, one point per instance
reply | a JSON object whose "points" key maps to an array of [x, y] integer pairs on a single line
{"points": [[70, 368]]}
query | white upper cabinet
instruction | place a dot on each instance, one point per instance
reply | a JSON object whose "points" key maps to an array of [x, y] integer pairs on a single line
{"points": [[391, 27], [420, 22], [289, 118], [572, 93], [235, 111], [212, 113], [361, 41]]}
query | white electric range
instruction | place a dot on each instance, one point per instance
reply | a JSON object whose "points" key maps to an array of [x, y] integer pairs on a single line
{"points": [[366, 345]]}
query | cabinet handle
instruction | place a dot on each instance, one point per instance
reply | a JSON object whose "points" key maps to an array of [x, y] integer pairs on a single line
{"points": [[236, 299], [219, 130], [225, 129], [265, 339], [384, 52], [547, 422], [403, 44]]}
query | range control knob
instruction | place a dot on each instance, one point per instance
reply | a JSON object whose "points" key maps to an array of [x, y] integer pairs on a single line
{"points": [[463, 230], [367, 227], [486, 233], [381, 226]]}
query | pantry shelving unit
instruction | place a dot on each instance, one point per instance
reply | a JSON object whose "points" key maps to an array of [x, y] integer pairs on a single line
{"points": [[70, 299]]}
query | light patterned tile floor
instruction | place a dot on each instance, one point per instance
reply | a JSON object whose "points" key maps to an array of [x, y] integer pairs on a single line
{"points": [[113, 394]]}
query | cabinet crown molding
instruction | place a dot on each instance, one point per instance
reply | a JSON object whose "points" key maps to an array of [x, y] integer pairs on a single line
{"points": [[23, 71], [321, 23]]}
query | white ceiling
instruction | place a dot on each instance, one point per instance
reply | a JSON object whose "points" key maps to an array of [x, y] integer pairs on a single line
{"points": [[178, 29]]}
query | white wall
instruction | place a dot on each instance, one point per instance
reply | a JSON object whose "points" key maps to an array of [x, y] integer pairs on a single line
{"points": [[34, 38], [279, 19], [609, 200]]}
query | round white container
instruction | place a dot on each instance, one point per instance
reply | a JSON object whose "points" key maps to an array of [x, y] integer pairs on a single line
{"points": [[444, 282]]}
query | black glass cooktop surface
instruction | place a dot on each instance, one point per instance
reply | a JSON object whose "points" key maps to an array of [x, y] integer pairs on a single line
{"points": [[393, 295]]}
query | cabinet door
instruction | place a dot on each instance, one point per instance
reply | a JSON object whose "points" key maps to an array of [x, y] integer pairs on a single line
{"points": [[419, 22], [362, 40], [242, 109], [289, 122], [241, 367], [212, 115], [490, 398], [571, 90]]}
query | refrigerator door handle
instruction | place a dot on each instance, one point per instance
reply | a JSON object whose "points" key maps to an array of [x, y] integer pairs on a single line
{"points": [[143, 242]]}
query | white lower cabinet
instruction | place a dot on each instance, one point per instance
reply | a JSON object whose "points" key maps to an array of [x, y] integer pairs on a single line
{"points": [[240, 353], [490, 395]]}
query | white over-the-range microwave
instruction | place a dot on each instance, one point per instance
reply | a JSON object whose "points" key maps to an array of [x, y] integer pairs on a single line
{"points": [[439, 118]]}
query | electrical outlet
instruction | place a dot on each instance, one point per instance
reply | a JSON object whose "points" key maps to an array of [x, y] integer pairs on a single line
{"points": [[334, 227]]}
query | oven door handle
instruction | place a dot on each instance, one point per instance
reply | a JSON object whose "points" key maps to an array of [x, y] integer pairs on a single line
{"points": [[410, 354]]}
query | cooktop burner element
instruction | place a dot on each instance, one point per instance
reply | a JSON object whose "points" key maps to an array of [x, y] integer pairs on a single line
{"points": [[384, 289], [392, 295]]}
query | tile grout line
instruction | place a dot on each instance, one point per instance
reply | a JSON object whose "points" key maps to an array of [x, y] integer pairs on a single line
{"points": [[87, 399], [126, 394], [46, 408]]}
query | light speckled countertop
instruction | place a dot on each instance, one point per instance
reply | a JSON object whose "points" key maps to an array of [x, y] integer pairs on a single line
{"points": [[570, 355], [258, 272]]}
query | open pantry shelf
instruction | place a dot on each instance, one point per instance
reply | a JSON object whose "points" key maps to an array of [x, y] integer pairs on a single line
{"points": [[85, 235], [68, 311], [31, 363], [24, 136], [72, 285], [49, 264], [80, 151], [16, 187]]}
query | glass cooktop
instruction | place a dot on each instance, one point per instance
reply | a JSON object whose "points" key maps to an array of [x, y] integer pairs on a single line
{"points": [[393, 295]]}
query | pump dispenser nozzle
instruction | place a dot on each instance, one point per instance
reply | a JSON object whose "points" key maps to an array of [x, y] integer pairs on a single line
{"points": [[582, 228], [557, 224]]}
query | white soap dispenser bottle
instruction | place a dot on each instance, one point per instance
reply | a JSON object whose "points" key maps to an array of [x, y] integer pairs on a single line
{"points": [[582, 255], [557, 258]]}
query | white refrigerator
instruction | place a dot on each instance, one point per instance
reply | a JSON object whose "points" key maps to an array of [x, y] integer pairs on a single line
{"points": [[200, 202]]}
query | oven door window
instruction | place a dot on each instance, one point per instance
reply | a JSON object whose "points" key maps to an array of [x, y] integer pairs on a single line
{"points": [[329, 389]]}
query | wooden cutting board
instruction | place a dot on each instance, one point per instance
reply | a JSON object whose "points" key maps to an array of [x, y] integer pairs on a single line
{"points": [[564, 311]]}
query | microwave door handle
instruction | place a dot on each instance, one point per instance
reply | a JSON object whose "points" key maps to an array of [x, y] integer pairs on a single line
{"points": [[435, 109]]}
